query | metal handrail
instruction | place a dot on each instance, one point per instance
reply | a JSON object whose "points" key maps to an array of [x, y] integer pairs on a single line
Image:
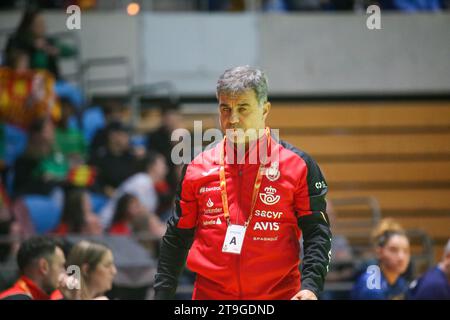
{"points": [[102, 62], [148, 90], [144, 236], [371, 201], [74, 37], [427, 253]]}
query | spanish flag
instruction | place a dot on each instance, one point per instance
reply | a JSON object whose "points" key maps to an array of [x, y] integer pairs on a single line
{"points": [[81, 176]]}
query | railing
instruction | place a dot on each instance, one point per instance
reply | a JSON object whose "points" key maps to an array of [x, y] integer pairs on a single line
{"points": [[124, 78], [150, 90], [74, 75]]}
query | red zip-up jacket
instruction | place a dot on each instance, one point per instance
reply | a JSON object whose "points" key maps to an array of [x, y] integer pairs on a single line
{"points": [[291, 200], [24, 289]]}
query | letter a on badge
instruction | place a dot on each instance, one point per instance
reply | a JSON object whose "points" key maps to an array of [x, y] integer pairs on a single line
{"points": [[234, 239]]}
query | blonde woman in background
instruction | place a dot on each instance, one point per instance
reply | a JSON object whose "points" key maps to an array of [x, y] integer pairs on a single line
{"points": [[96, 263], [385, 281]]}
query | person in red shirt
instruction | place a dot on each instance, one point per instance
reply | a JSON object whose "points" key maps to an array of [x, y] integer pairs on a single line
{"points": [[127, 209], [240, 212], [41, 264]]}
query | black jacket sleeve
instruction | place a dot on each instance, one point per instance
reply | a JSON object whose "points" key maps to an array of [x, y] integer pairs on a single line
{"points": [[175, 246], [315, 226], [316, 247]]}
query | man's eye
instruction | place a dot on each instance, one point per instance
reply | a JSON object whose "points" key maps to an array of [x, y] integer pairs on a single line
{"points": [[241, 110], [225, 109]]}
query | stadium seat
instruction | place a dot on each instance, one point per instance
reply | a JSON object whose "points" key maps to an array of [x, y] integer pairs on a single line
{"points": [[98, 201], [15, 143], [43, 211], [92, 120]]}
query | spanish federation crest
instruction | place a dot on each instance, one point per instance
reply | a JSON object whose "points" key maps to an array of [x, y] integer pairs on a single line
{"points": [[269, 198], [273, 173]]}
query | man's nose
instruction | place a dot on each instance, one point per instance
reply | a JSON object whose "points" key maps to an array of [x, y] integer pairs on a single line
{"points": [[234, 118], [114, 270]]}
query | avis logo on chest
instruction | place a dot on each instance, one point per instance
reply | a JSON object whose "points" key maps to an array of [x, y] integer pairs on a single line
{"points": [[267, 225]]}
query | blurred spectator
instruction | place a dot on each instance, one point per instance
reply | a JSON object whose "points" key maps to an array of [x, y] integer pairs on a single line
{"points": [[393, 254], [96, 263], [43, 51], [113, 111], [77, 216], [128, 208], [339, 5], [18, 59], [41, 167], [142, 185], [307, 5], [70, 141], [160, 142], [41, 264], [295, 5], [275, 6], [3, 150], [26, 95], [226, 5], [6, 224], [115, 162], [411, 5], [435, 284]]}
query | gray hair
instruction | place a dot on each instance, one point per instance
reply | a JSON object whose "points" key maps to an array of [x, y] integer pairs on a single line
{"points": [[239, 79]]}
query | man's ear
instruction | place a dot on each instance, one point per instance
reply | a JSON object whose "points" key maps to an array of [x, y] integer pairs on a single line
{"points": [[85, 269], [44, 266], [266, 109]]}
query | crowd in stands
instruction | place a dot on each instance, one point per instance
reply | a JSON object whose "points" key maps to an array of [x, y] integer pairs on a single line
{"points": [[62, 174], [62, 171], [263, 5], [330, 5]]}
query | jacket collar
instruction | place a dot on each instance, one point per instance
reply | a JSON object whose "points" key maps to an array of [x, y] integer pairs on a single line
{"points": [[250, 153], [29, 287]]}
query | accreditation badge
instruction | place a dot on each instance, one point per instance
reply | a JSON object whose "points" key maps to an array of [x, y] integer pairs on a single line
{"points": [[234, 239]]}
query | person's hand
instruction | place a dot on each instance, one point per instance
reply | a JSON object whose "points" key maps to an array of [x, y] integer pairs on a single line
{"points": [[42, 44], [304, 295], [156, 226], [69, 287]]}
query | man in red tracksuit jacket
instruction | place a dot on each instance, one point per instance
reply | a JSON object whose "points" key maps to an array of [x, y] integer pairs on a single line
{"points": [[41, 262], [239, 221]]}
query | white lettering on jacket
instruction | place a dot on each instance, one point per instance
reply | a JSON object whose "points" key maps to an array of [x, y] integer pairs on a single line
{"points": [[268, 214], [272, 226]]}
